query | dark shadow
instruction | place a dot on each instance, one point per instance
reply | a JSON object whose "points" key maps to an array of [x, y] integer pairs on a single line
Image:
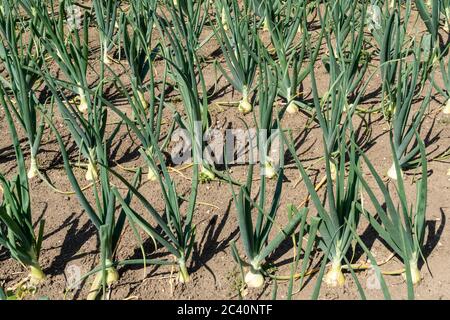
{"points": [[430, 140], [433, 237], [41, 215], [7, 154], [210, 245], [75, 238], [214, 94], [131, 153]]}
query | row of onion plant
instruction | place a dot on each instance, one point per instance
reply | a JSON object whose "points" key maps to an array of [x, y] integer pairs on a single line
{"points": [[21, 59]]}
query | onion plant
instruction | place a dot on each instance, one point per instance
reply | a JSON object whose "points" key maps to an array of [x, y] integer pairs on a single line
{"points": [[404, 120], [19, 236], [339, 216], [238, 39], [267, 123], [390, 55], [221, 13], [106, 17], [261, 8], [332, 111], [444, 68], [289, 52], [136, 30], [174, 229], [102, 214], [255, 231], [401, 226], [377, 21], [345, 43], [185, 70], [189, 18], [69, 49], [88, 132], [431, 21], [20, 56], [146, 122]]}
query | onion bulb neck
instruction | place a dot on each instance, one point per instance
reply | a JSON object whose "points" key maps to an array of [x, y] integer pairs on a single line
{"points": [[333, 171], [224, 19], [92, 171], [415, 272], [83, 105], [266, 24], [183, 274], [106, 59], [142, 99], [152, 174]]}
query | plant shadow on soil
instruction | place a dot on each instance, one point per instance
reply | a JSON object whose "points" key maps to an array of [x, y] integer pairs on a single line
{"points": [[72, 243], [209, 245]]}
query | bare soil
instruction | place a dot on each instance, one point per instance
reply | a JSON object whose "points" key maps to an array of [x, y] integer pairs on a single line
{"points": [[70, 239]]}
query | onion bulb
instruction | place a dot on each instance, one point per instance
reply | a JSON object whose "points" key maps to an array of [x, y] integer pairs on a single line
{"points": [[347, 107], [254, 279], [292, 107], [244, 105], [152, 174], [112, 276], [34, 170], [389, 108], [392, 172], [447, 107], [36, 275], [206, 175], [335, 277], [269, 170]]}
